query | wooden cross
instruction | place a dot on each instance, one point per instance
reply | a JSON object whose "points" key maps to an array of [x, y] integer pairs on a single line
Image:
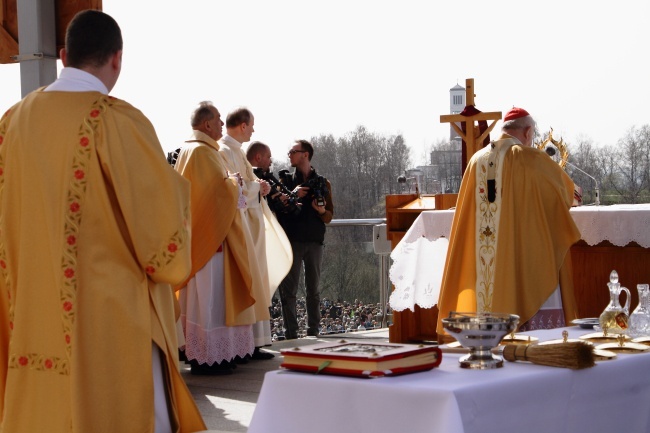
{"points": [[472, 137]]}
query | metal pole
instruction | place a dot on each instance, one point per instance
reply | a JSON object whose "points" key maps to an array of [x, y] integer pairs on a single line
{"points": [[384, 285], [36, 44]]}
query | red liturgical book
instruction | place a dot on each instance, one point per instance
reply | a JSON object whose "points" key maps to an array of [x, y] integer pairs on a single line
{"points": [[362, 359]]}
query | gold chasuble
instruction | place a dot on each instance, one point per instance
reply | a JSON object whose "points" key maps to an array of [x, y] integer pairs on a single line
{"points": [[506, 252], [216, 222], [93, 230]]}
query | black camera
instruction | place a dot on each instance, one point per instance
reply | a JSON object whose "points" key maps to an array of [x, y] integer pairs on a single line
{"points": [[317, 186], [291, 206], [317, 189], [173, 156]]}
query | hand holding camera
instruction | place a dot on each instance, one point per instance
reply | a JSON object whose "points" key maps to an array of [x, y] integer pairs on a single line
{"points": [[281, 198], [320, 208]]}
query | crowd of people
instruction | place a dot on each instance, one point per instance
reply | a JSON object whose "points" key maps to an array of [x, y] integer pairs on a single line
{"points": [[336, 317]]}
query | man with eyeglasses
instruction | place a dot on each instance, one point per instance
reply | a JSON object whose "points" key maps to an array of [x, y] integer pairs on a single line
{"points": [[306, 232]]}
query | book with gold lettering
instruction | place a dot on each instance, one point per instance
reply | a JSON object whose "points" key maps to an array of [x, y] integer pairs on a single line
{"points": [[362, 359]]}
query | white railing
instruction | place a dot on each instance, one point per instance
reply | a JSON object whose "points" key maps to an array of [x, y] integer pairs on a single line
{"points": [[379, 240]]}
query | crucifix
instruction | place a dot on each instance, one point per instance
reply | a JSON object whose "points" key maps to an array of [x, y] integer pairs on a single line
{"points": [[474, 136]]}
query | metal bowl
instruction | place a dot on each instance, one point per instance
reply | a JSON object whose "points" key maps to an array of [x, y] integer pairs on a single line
{"points": [[480, 333]]}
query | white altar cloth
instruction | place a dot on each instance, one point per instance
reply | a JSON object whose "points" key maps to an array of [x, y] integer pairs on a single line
{"points": [[619, 224], [520, 397], [418, 263]]}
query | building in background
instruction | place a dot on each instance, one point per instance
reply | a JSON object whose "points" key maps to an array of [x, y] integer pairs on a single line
{"points": [[443, 173], [456, 106]]}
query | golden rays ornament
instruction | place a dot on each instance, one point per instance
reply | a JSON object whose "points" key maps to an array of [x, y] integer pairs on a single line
{"points": [[560, 145]]}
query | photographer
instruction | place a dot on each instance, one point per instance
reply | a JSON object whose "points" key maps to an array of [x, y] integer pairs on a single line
{"points": [[306, 232], [279, 198]]}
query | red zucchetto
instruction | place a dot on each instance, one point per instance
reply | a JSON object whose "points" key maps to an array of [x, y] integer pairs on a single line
{"points": [[515, 113]]}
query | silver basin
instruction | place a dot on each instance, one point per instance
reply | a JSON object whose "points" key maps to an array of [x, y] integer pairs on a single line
{"points": [[480, 333]]}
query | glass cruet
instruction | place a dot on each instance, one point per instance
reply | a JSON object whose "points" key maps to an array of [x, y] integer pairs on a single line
{"points": [[639, 323], [614, 318]]}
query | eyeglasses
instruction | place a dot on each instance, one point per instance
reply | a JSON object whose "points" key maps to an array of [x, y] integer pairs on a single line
{"points": [[292, 151]]}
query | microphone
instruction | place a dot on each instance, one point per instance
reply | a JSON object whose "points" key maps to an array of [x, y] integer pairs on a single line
{"points": [[550, 151], [416, 178]]}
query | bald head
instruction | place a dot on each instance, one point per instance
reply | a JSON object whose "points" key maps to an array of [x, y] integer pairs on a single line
{"points": [[259, 155]]}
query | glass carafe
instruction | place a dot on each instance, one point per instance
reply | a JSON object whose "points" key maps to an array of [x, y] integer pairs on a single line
{"points": [[614, 318], [639, 323]]}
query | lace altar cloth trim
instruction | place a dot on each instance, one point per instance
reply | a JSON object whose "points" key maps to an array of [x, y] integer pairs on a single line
{"points": [[619, 224], [417, 273]]}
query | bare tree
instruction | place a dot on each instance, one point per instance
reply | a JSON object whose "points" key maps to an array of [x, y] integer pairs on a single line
{"points": [[628, 166], [396, 160], [362, 167], [588, 158]]}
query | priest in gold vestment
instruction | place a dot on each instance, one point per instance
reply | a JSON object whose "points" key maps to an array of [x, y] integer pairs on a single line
{"points": [[511, 233], [94, 229], [215, 301]]}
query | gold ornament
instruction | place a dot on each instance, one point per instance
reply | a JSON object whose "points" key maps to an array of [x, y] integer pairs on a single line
{"points": [[560, 145]]}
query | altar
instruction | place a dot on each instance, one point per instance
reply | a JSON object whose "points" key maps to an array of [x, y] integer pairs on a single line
{"points": [[613, 237], [520, 397]]}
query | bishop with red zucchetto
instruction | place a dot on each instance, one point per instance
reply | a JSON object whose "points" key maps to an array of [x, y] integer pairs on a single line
{"points": [[511, 233]]}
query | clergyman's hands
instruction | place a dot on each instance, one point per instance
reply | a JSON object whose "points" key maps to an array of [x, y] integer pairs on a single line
{"points": [[237, 177], [265, 188]]}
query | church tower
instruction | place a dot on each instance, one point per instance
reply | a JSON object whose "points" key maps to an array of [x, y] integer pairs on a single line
{"points": [[456, 105]]}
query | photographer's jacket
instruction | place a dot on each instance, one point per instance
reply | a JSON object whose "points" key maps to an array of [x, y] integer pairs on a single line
{"points": [[308, 225]]}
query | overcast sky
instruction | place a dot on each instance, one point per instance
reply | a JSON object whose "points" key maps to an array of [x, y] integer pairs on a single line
{"points": [[309, 67]]}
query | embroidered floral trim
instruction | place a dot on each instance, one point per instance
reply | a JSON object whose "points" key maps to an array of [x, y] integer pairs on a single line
{"points": [[486, 226], [39, 362], [5, 115], [4, 271], [168, 252], [83, 149], [72, 220]]}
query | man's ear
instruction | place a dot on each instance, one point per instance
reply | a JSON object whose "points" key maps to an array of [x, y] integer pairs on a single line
{"points": [[116, 60], [530, 133], [64, 56]]}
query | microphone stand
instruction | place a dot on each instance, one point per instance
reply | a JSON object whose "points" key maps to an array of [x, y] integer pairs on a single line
{"points": [[404, 179], [597, 202], [550, 151]]}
